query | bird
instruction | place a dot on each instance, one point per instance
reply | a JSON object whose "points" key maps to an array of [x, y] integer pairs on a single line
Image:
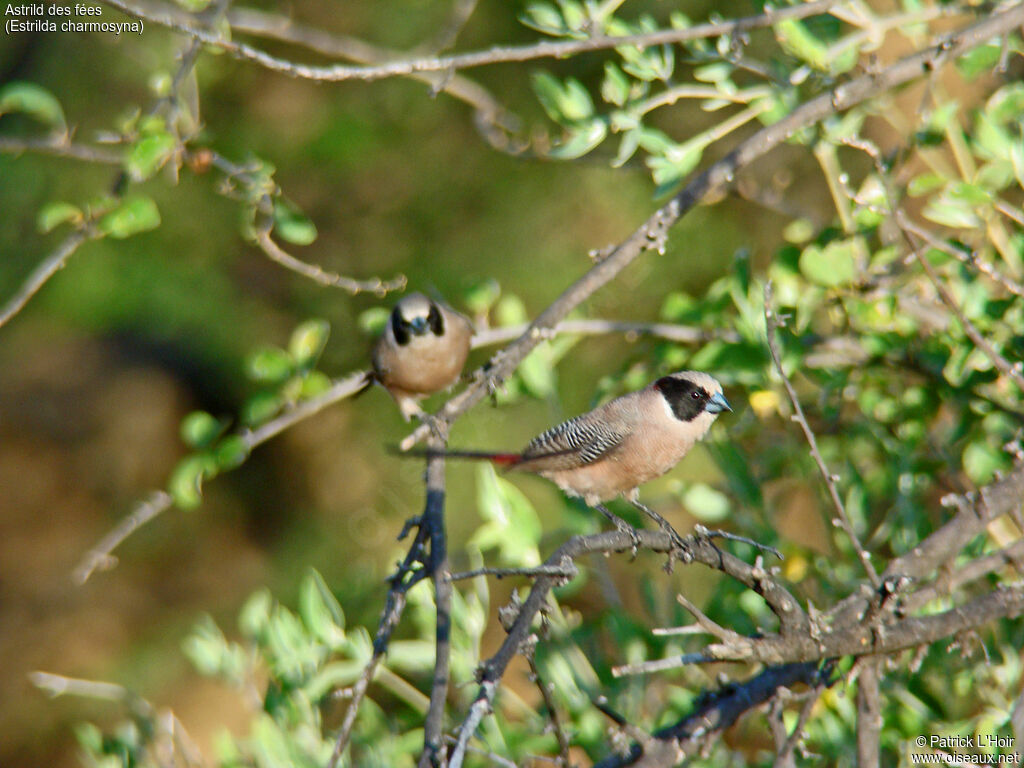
{"points": [[422, 351], [617, 447]]}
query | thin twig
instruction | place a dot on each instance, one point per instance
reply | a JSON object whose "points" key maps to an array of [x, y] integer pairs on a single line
{"points": [[683, 334], [61, 146], [566, 571], [323, 277], [1016, 371], [167, 17], [100, 557], [971, 258], [46, 269], [549, 705], [495, 122], [410, 572], [772, 322]]}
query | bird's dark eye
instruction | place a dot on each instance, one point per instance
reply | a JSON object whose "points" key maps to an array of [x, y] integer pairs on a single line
{"points": [[696, 394]]}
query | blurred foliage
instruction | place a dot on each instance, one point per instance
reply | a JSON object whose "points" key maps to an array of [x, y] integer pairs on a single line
{"points": [[906, 407]]}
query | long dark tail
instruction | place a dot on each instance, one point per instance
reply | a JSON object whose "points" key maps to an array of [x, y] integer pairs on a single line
{"points": [[501, 459]]}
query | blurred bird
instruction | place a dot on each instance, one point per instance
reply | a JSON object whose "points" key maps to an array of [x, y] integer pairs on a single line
{"points": [[617, 447], [422, 351]]}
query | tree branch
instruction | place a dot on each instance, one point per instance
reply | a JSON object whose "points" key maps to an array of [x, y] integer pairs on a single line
{"points": [[718, 176], [321, 276], [772, 323], [100, 557], [167, 17], [46, 269]]}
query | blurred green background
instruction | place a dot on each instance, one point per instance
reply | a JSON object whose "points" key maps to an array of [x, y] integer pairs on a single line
{"points": [[97, 372]]}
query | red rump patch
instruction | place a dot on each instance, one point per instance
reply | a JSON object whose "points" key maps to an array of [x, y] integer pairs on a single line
{"points": [[505, 459]]}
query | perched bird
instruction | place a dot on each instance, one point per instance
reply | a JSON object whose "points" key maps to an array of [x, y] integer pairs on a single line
{"points": [[622, 444], [422, 351]]}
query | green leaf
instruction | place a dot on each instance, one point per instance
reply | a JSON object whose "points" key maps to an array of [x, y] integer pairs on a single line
{"points": [[482, 296], [254, 618], [54, 214], [269, 365], [510, 311], [798, 231], [581, 140], [186, 483], [292, 224], [978, 60], [33, 100], [615, 86], [512, 523], [833, 265], [545, 18], [320, 610], [565, 103], [951, 212], [671, 168], [797, 40], [1006, 104], [924, 183], [231, 452], [199, 429], [193, 6], [706, 504], [149, 155], [261, 407], [314, 383], [308, 341], [537, 373], [132, 215], [981, 461], [373, 321]]}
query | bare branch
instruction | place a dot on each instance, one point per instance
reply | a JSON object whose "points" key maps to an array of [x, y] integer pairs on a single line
{"points": [[970, 259], [568, 570], [321, 276], [869, 712], [494, 121], [772, 323], [46, 269], [100, 557], [433, 520], [61, 146], [167, 17], [716, 714], [684, 334], [792, 619]]}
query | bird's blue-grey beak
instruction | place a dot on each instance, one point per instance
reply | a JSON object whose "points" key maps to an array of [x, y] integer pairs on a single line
{"points": [[717, 403], [418, 325]]}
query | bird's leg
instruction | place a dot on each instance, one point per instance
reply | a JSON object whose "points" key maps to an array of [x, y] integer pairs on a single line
{"points": [[700, 530], [620, 524], [673, 535]]}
